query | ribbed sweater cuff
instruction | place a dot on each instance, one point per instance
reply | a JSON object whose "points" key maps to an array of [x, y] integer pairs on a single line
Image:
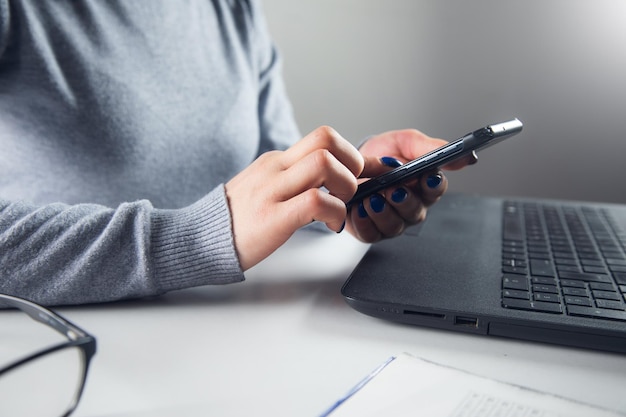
{"points": [[194, 245]]}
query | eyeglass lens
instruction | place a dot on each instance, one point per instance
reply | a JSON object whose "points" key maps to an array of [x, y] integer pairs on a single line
{"points": [[46, 386]]}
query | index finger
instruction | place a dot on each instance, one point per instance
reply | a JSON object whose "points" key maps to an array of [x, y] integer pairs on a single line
{"points": [[326, 138]]}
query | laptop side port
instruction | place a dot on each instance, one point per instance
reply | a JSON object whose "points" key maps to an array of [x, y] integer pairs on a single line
{"points": [[466, 321], [425, 314]]}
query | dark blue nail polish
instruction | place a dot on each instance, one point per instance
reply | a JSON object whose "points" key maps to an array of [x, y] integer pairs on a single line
{"points": [[433, 181], [361, 211], [399, 195], [377, 203], [390, 162], [343, 225]]}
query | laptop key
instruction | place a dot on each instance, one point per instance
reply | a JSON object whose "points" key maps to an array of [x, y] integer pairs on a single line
{"points": [[563, 255], [511, 262], [581, 301], [514, 270], [603, 313], [583, 276], [543, 280], [613, 305], [595, 269], [512, 228], [514, 256], [524, 295], [606, 295], [515, 282], [548, 298], [538, 247], [572, 283], [565, 262], [580, 292], [552, 289], [539, 267], [513, 250], [612, 254], [539, 256], [620, 277], [570, 268], [601, 286], [532, 305], [591, 256]]}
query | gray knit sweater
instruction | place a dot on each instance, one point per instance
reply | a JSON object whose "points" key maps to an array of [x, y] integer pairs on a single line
{"points": [[119, 123]]}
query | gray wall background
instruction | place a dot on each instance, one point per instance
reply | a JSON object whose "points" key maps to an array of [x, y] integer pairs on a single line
{"points": [[450, 66]]}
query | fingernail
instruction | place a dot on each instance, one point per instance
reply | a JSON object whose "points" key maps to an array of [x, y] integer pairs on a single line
{"points": [[390, 162], [377, 203], [399, 195], [434, 180], [361, 211], [343, 225]]}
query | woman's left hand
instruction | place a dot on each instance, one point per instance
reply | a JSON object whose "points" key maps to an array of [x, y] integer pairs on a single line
{"points": [[388, 213]]}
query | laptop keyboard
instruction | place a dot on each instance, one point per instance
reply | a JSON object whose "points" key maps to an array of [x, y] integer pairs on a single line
{"points": [[563, 260]]}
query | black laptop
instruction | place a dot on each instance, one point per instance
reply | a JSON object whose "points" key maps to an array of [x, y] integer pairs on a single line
{"points": [[539, 270]]}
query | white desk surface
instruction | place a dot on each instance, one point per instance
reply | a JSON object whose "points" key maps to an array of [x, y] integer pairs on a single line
{"points": [[284, 343]]}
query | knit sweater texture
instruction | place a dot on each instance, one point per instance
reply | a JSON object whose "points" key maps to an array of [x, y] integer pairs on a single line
{"points": [[120, 121]]}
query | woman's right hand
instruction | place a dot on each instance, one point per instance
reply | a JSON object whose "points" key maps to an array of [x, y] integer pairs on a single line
{"points": [[281, 191]]}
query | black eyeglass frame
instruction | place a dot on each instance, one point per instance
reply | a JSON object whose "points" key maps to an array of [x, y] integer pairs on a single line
{"points": [[78, 338]]}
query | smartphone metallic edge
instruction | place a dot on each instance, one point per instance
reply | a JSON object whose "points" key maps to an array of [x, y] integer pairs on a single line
{"points": [[473, 141]]}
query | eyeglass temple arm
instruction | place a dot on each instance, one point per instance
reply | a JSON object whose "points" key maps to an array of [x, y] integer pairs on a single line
{"points": [[44, 316]]}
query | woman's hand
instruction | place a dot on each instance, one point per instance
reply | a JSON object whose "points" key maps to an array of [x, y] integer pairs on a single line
{"points": [[388, 213], [281, 192]]}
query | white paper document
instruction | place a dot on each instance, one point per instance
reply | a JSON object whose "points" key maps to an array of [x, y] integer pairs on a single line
{"points": [[409, 386]]}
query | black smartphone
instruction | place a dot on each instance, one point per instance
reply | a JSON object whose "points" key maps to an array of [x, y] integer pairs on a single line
{"points": [[474, 141]]}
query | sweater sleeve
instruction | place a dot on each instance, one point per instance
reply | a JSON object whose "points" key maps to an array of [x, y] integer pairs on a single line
{"points": [[74, 254]]}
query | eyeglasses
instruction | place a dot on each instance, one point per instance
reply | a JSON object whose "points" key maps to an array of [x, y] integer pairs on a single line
{"points": [[49, 382]]}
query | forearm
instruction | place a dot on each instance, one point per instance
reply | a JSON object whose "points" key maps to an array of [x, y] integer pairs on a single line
{"points": [[60, 254]]}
